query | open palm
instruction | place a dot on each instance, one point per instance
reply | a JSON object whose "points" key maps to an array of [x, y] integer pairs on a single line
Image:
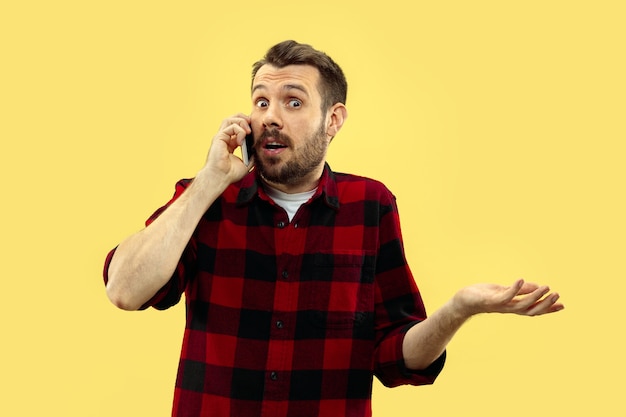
{"points": [[522, 298]]}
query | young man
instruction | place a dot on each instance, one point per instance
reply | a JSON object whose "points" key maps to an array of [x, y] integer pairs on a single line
{"points": [[295, 279]]}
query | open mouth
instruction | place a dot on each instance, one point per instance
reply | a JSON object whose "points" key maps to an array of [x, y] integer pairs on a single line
{"points": [[274, 146], [272, 142]]}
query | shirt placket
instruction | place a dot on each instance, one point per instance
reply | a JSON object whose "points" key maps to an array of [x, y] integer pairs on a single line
{"points": [[289, 240]]}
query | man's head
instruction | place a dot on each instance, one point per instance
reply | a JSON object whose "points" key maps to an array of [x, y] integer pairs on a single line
{"points": [[332, 83], [298, 97]]}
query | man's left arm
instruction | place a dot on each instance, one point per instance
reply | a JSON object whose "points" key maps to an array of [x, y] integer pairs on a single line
{"points": [[427, 340]]}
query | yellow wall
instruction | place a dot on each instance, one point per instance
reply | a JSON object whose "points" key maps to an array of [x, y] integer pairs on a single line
{"points": [[498, 125]]}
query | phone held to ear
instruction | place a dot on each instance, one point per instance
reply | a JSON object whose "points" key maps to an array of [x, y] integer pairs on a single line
{"points": [[247, 150]]}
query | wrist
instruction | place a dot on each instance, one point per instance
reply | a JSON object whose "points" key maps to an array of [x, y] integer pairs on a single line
{"points": [[204, 190], [458, 309], [209, 180]]}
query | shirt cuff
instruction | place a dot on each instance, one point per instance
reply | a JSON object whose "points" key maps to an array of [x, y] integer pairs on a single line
{"points": [[394, 372]]}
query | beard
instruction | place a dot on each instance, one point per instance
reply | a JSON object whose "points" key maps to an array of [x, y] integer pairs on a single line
{"points": [[303, 162]]}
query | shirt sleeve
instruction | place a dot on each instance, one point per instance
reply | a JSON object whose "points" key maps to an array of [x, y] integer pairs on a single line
{"points": [[172, 291], [399, 306]]}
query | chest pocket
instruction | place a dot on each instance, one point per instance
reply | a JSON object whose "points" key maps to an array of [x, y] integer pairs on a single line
{"points": [[337, 292]]}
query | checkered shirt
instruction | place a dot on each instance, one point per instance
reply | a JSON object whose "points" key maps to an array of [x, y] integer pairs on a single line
{"points": [[293, 318]]}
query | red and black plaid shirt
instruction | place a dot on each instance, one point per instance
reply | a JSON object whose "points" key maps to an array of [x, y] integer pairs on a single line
{"points": [[293, 318]]}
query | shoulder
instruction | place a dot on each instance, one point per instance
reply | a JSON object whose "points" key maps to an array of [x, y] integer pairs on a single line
{"points": [[355, 187]]}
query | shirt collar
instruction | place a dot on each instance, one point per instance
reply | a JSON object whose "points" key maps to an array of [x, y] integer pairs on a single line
{"points": [[251, 186]]}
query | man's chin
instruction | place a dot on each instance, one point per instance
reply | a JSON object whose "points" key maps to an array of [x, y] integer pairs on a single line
{"points": [[271, 171]]}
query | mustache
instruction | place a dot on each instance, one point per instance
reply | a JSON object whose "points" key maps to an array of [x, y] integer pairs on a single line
{"points": [[276, 135]]}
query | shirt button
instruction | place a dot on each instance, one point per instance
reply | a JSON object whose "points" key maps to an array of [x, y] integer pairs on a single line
{"points": [[273, 376], [280, 225], [285, 274], [280, 324]]}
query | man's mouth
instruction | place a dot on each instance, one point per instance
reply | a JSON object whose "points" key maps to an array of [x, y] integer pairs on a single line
{"points": [[274, 145], [273, 142]]}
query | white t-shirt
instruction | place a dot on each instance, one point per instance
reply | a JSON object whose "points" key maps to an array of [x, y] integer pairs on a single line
{"points": [[290, 202]]}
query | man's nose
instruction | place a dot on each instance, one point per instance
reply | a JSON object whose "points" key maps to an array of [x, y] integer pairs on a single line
{"points": [[272, 117]]}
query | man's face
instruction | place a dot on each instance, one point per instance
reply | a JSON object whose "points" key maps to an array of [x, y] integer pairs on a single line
{"points": [[289, 128]]}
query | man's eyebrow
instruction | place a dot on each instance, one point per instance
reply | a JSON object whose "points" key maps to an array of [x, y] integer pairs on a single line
{"points": [[285, 87]]}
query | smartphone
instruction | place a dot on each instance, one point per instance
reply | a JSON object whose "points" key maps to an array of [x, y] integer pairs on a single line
{"points": [[247, 150]]}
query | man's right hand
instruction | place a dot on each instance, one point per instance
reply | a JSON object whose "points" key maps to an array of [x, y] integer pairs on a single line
{"points": [[221, 163]]}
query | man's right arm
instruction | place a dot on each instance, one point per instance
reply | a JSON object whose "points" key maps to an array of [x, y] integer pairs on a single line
{"points": [[144, 262]]}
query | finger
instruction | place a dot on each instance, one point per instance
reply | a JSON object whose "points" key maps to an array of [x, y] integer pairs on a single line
{"points": [[231, 136], [525, 302], [547, 305], [513, 290], [239, 119], [234, 130], [527, 288]]}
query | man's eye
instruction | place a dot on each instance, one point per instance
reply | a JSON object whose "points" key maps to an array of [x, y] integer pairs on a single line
{"points": [[262, 103], [294, 103]]}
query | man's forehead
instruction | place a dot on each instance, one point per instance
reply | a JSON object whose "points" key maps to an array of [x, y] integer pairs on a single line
{"points": [[306, 76]]}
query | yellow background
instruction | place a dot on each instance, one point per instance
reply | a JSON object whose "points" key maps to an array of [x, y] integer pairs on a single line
{"points": [[498, 125]]}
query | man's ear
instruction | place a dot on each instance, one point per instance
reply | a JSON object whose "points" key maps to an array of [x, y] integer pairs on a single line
{"points": [[337, 115]]}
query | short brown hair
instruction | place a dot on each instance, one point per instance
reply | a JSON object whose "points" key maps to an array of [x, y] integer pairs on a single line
{"points": [[333, 86]]}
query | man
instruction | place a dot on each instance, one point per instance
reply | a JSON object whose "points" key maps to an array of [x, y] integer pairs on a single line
{"points": [[295, 279]]}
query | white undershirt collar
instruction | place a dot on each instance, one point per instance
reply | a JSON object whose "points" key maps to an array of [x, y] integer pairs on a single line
{"points": [[289, 202]]}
